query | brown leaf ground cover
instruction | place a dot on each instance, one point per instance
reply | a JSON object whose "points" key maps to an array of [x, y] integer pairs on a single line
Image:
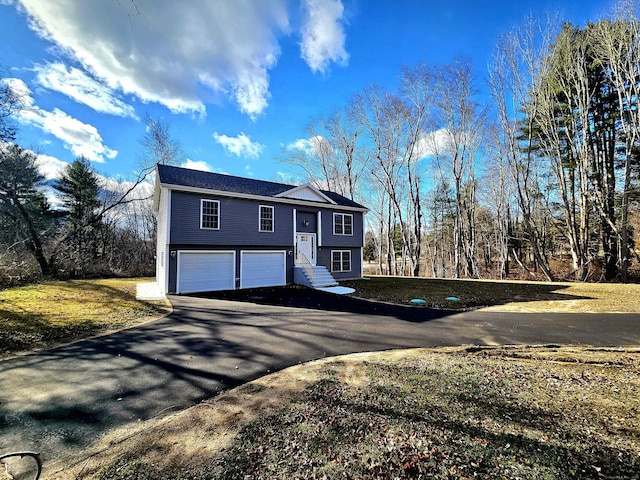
{"points": [[489, 412], [494, 412]]}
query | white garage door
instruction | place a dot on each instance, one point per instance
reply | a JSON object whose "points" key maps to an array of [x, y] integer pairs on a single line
{"points": [[206, 271], [263, 269]]}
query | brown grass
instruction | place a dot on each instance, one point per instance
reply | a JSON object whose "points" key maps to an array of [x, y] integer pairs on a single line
{"points": [[490, 412], [495, 295], [468, 412], [49, 314]]}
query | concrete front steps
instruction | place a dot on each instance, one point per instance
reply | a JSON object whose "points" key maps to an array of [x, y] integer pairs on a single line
{"points": [[315, 276]]}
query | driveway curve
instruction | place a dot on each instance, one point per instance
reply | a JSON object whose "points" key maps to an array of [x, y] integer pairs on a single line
{"points": [[60, 401]]}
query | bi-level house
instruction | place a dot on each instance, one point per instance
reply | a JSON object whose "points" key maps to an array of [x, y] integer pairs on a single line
{"points": [[220, 232]]}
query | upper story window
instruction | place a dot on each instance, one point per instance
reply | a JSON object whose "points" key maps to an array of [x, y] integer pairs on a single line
{"points": [[209, 214], [266, 219], [342, 224]]}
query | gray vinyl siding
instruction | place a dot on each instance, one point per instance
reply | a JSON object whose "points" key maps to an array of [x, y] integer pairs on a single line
{"points": [[238, 222], [239, 230], [324, 259], [329, 239], [308, 216]]}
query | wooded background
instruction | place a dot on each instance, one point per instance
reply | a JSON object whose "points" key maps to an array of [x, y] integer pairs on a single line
{"points": [[535, 178]]}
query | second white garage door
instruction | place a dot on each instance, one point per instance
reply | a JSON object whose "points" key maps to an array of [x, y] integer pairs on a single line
{"points": [[263, 269], [206, 271]]}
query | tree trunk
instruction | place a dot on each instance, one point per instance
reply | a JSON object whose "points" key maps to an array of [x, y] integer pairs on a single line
{"points": [[34, 244]]}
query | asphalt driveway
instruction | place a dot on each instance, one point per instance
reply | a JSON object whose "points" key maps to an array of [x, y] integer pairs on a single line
{"points": [[63, 399]]}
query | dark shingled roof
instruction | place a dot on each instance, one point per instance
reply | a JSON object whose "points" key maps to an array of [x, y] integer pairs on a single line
{"points": [[186, 177]]}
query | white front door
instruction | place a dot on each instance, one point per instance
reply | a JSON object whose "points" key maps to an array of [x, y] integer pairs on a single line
{"points": [[305, 247]]}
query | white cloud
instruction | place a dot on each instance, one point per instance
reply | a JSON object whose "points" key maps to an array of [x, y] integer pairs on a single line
{"points": [[434, 143], [179, 54], [302, 144], [50, 167], [288, 178], [241, 146], [21, 90], [119, 186], [310, 146], [81, 138], [197, 165], [77, 85], [323, 36]]}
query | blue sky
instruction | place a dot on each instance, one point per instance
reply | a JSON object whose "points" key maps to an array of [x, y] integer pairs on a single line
{"points": [[236, 79]]}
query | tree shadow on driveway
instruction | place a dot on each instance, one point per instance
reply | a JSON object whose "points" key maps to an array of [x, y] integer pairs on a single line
{"points": [[60, 400], [303, 297]]}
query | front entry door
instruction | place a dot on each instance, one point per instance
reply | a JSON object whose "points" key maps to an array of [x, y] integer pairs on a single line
{"points": [[305, 245]]}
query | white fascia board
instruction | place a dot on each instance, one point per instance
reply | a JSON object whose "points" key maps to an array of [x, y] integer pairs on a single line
{"points": [[263, 198], [303, 187]]}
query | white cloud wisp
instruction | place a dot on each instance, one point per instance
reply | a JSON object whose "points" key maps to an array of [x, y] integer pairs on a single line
{"points": [[182, 55], [81, 138], [240, 146], [75, 84], [323, 37]]}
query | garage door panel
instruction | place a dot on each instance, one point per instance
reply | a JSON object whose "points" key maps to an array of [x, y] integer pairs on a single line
{"points": [[262, 269], [206, 271]]}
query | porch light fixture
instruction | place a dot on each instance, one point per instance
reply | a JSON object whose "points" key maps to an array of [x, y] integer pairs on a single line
{"points": [[306, 223]]}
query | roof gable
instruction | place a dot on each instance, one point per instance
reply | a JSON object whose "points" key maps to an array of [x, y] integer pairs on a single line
{"points": [[306, 192]]}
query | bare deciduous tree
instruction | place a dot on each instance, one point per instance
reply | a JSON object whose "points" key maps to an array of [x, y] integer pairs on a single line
{"points": [[10, 103], [159, 146], [617, 46], [463, 122], [519, 60]]}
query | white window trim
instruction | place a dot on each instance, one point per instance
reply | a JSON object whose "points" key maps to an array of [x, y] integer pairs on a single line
{"points": [[334, 224], [202, 200], [342, 252], [273, 218]]}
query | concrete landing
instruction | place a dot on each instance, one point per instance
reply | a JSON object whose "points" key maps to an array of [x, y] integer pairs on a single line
{"points": [[149, 291], [338, 289]]}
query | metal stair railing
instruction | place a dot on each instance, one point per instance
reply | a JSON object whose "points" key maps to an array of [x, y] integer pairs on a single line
{"points": [[307, 267]]}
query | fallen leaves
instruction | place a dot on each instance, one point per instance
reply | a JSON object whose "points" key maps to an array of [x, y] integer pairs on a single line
{"points": [[452, 416]]}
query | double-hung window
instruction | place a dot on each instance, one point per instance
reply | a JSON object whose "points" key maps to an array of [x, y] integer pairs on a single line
{"points": [[341, 261], [342, 224], [209, 214], [266, 219]]}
